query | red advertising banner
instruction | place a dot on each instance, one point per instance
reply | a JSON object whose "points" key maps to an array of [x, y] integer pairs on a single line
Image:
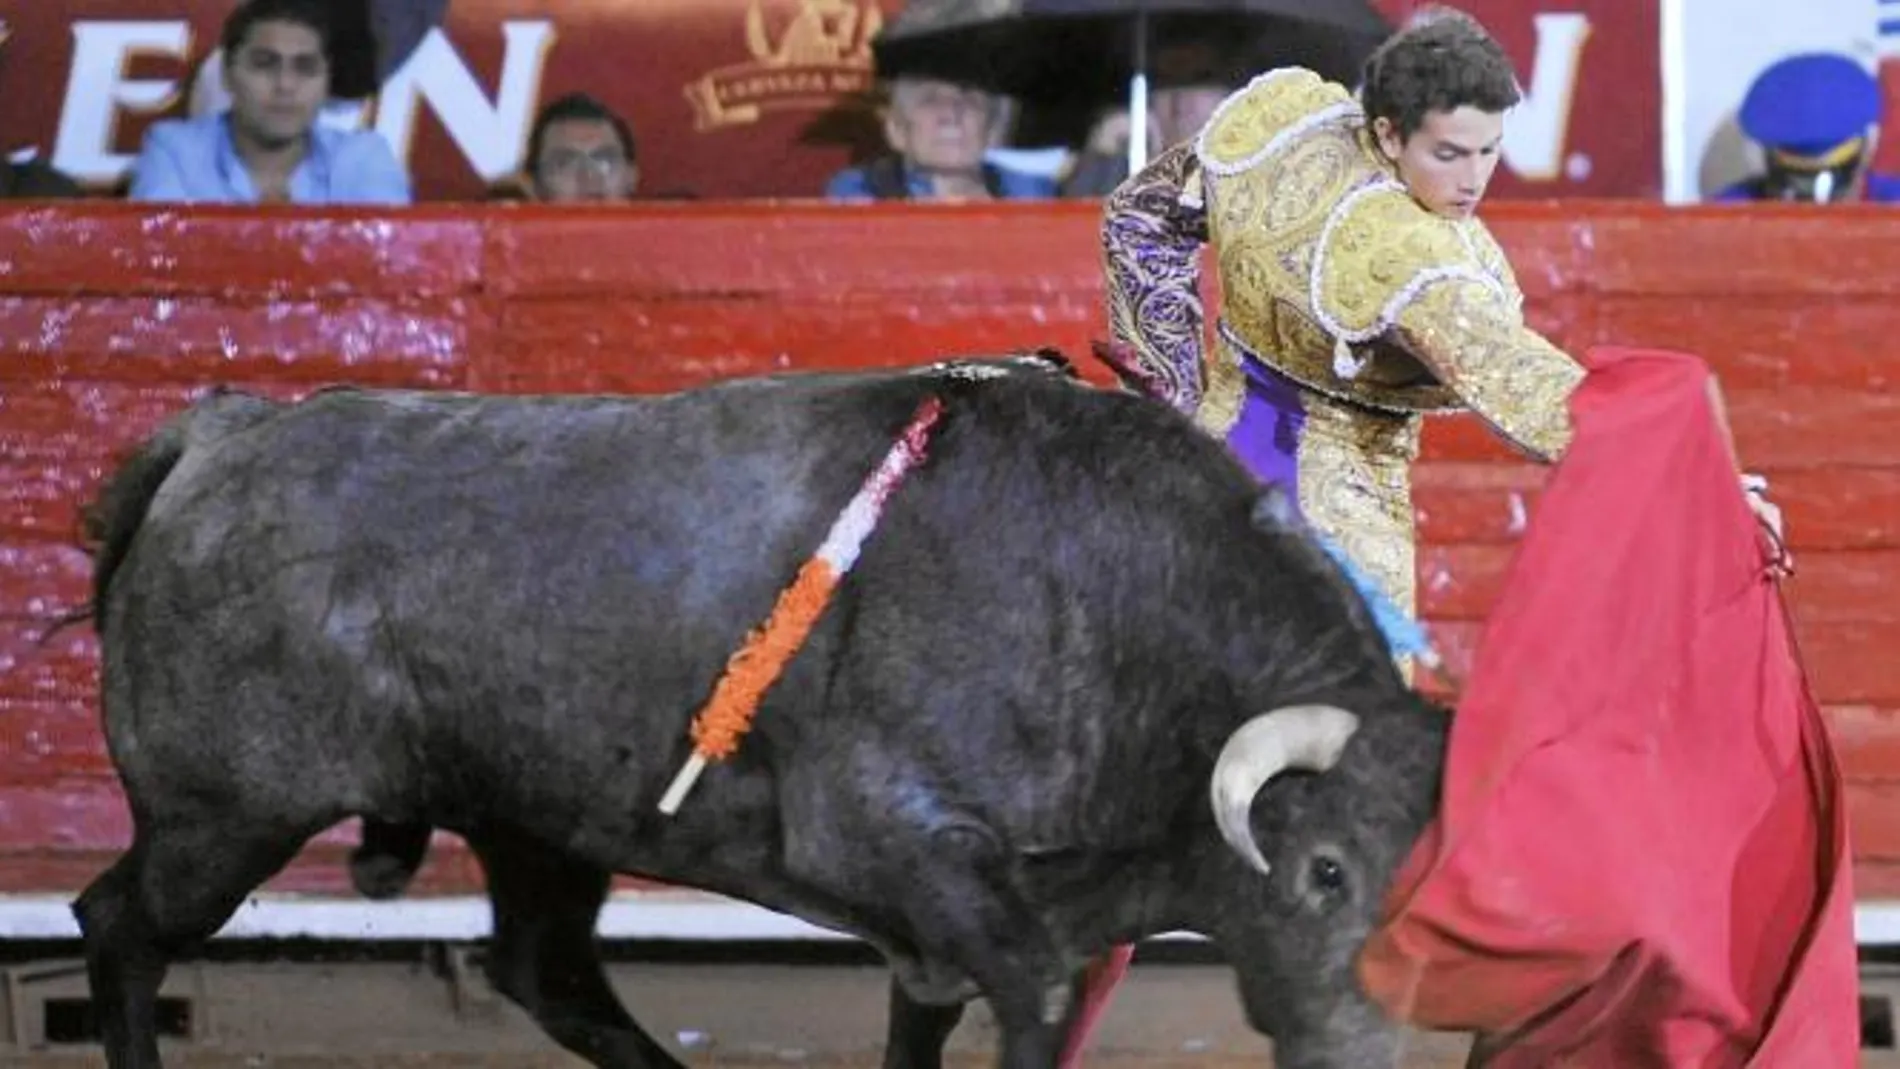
{"points": [[728, 98]]}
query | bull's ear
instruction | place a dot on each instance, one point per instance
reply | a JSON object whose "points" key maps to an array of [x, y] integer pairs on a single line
{"points": [[1275, 509]]}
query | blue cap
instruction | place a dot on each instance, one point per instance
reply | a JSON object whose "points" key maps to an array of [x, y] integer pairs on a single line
{"points": [[1808, 104]]}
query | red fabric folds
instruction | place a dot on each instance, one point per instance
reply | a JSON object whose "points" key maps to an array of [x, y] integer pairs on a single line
{"points": [[1641, 858]]}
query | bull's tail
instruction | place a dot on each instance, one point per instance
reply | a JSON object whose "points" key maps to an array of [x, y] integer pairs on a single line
{"points": [[110, 522], [113, 517]]}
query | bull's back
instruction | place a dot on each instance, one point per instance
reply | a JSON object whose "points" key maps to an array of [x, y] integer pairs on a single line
{"points": [[420, 475], [514, 585], [530, 594]]}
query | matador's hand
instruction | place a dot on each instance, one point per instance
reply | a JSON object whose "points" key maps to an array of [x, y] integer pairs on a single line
{"points": [[1755, 491]]}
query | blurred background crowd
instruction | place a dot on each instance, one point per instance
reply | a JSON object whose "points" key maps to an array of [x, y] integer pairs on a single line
{"points": [[395, 101]]}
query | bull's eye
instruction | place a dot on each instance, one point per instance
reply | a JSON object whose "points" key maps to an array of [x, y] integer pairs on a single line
{"points": [[1328, 875]]}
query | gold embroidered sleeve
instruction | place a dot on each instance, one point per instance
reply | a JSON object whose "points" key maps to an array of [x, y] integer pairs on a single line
{"points": [[1476, 342], [1151, 243]]}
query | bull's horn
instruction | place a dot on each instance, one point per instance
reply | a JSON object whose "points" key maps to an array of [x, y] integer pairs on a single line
{"points": [[1300, 736]]}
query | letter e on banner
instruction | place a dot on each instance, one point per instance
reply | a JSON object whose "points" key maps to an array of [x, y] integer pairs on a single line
{"points": [[97, 89]]}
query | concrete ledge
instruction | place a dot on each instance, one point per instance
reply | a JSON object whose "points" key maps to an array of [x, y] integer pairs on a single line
{"points": [[667, 915]]}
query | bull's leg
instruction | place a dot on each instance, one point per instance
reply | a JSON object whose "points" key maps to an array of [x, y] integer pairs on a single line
{"points": [[915, 1033], [386, 860], [966, 911], [175, 888], [946, 880], [543, 955], [1030, 1018]]}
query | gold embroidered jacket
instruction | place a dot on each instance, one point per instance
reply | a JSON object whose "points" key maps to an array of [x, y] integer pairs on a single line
{"points": [[1330, 273]]}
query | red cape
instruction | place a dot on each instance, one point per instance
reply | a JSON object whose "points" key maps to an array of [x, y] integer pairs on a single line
{"points": [[1641, 856]]}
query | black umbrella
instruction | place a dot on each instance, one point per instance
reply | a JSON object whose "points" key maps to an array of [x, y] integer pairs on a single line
{"points": [[1072, 51]]}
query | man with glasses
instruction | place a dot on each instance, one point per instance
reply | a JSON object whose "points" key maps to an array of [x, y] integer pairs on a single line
{"points": [[580, 151], [267, 146]]}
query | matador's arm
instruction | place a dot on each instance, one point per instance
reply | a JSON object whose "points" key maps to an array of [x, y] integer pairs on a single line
{"points": [[1151, 244], [1476, 342]]}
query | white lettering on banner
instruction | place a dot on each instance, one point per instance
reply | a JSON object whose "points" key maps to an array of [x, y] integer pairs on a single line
{"points": [[490, 134], [1538, 129], [97, 89]]}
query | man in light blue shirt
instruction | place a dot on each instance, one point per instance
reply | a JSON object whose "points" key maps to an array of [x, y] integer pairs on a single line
{"points": [[268, 147]]}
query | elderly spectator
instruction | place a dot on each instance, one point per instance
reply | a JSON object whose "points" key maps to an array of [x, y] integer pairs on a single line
{"points": [[268, 147], [938, 132], [581, 151], [1191, 79]]}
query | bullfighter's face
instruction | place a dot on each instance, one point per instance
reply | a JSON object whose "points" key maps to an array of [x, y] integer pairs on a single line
{"points": [[1446, 163]]}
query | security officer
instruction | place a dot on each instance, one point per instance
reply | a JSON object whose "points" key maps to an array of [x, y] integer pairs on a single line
{"points": [[1813, 115]]}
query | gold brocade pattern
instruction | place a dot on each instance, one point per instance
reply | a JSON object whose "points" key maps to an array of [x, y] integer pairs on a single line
{"points": [[1334, 276], [1378, 258], [1226, 390], [1512, 378], [1238, 135], [1356, 488], [1320, 249]]}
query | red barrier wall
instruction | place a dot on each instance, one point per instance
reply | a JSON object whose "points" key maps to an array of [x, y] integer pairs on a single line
{"points": [[111, 316]]}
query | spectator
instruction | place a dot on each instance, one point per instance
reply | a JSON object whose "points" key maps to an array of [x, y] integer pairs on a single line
{"points": [[938, 132], [580, 151], [1190, 78], [267, 146], [1813, 115]]}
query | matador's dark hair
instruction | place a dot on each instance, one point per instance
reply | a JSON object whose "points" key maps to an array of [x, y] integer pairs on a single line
{"points": [[1442, 62]]}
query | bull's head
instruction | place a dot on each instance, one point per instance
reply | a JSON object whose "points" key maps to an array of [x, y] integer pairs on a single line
{"points": [[1319, 853], [1309, 737], [1319, 802]]}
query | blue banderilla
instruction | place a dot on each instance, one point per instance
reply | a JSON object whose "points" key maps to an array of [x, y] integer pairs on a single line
{"points": [[1405, 635]]}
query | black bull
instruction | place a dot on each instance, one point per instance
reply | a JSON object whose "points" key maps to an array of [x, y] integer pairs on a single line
{"points": [[1086, 684]]}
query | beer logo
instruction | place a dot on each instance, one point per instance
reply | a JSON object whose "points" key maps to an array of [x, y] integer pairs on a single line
{"points": [[822, 54]]}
